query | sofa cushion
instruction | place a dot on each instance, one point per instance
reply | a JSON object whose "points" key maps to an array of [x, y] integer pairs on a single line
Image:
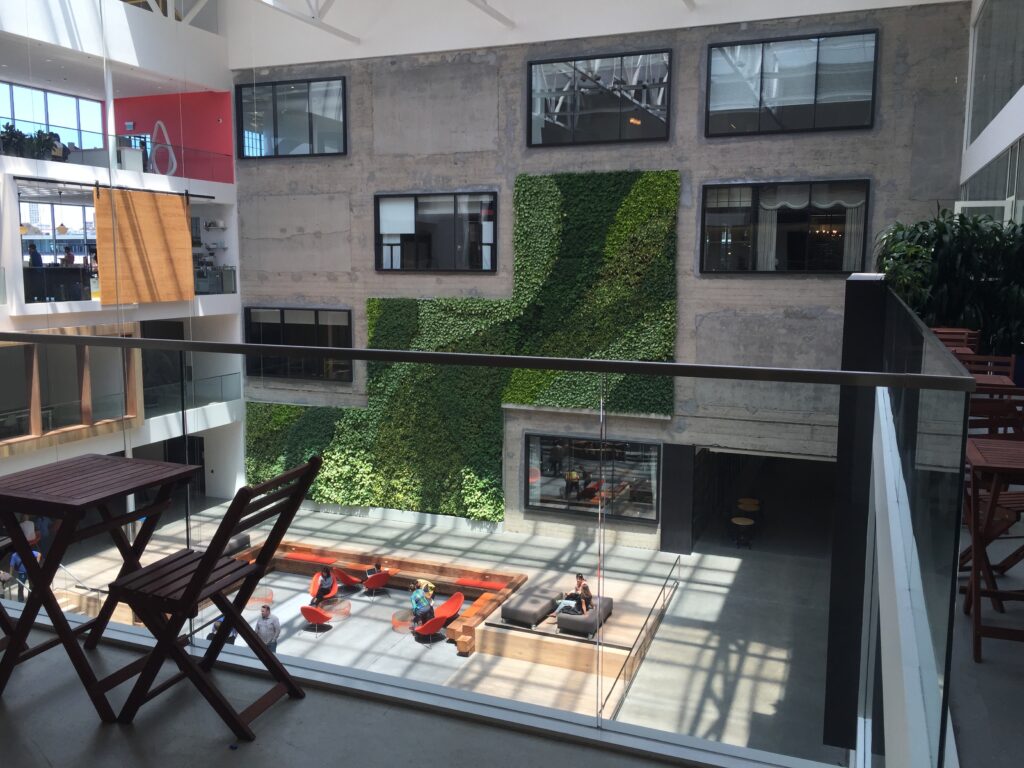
{"points": [[528, 609], [588, 623], [465, 581], [309, 557]]}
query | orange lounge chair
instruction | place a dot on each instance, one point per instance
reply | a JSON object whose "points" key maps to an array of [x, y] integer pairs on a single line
{"points": [[315, 616], [314, 587], [449, 609], [343, 578], [428, 629]]}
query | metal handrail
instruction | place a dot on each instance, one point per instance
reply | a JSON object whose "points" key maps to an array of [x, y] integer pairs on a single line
{"points": [[590, 365], [79, 583], [640, 637]]}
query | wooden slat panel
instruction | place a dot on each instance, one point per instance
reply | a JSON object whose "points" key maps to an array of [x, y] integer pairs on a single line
{"points": [[149, 236]]}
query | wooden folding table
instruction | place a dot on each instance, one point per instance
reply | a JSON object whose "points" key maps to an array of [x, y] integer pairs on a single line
{"points": [[66, 491], [993, 463]]}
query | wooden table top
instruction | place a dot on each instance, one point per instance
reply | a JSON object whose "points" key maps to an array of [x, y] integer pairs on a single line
{"points": [[995, 455], [71, 485], [993, 380]]}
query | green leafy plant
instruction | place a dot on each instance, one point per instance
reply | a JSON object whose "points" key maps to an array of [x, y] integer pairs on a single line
{"points": [[12, 141], [39, 145], [962, 271], [594, 276]]}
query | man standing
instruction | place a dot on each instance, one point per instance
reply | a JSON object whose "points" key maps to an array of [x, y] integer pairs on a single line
{"points": [[268, 628]]}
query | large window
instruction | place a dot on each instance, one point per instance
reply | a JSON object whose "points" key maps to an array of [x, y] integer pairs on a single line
{"points": [[998, 60], [300, 328], [437, 233], [77, 122], [817, 83], [566, 474], [292, 118], [599, 99], [814, 227]]}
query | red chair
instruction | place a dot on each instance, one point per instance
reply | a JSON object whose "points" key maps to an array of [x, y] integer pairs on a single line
{"points": [[314, 587], [428, 629], [341, 577], [376, 582], [450, 608], [315, 616]]}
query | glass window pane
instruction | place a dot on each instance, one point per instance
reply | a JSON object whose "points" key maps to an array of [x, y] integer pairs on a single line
{"points": [[846, 75], [292, 136], [90, 114], [397, 215], [735, 95], [597, 100], [474, 227], [106, 377], [300, 331], [60, 395], [14, 415], [264, 327], [728, 229], [6, 115], [257, 121], [998, 60], [990, 182], [326, 105], [62, 116], [787, 85], [553, 102], [334, 330], [29, 109], [644, 96], [435, 233]]}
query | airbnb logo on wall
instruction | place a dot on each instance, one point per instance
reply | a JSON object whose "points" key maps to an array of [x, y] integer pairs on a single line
{"points": [[165, 162]]}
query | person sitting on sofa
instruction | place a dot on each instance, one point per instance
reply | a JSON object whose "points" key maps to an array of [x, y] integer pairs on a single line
{"points": [[577, 602]]}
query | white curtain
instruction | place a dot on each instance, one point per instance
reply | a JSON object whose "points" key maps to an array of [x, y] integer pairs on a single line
{"points": [[767, 233], [853, 240]]}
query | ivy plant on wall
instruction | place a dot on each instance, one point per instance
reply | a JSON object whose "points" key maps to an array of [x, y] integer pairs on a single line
{"points": [[594, 277]]}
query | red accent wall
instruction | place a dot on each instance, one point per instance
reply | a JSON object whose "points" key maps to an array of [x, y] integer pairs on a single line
{"points": [[199, 128]]}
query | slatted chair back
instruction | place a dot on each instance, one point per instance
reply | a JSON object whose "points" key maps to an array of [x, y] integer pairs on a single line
{"points": [[958, 337], [279, 497], [992, 365], [999, 414]]}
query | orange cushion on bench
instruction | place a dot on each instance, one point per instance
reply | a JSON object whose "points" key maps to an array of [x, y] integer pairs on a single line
{"points": [[309, 557], [465, 581]]}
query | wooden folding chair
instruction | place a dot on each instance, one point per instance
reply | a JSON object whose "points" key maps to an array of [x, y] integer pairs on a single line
{"points": [[167, 593]]}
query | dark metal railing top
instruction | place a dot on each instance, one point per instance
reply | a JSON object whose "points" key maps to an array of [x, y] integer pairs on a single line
{"points": [[588, 365]]}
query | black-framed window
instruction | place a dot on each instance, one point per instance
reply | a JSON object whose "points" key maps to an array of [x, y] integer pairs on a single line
{"points": [[301, 328], [450, 232], [293, 118], [786, 227], [805, 84], [577, 475], [621, 97]]}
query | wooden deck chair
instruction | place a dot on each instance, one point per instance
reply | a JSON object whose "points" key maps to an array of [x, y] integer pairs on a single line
{"points": [[168, 592]]}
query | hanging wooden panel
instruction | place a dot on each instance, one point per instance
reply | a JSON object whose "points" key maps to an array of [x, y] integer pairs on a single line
{"points": [[144, 247]]}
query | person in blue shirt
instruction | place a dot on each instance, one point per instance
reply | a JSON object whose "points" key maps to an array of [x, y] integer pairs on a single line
{"points": [[422, 605], [19, 572]]}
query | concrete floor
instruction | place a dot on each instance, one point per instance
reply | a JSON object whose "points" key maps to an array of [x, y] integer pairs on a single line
{"points": [[986, 697], [46, 721]]}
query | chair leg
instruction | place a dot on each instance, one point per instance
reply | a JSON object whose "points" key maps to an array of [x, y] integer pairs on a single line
{"points": [[166, 632]]}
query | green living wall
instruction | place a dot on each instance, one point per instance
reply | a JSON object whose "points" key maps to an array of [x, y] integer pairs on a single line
{"points": [[594, 277]]}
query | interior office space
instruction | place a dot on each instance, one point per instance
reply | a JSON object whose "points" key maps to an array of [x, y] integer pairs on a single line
{"points": [[691, 183]]}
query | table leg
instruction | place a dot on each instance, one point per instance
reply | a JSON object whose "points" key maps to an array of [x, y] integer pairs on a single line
{"points": [[973, 599], [41, 579], [131, 554]]}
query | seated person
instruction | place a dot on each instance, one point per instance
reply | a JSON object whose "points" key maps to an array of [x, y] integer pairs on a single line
{"points": [[321, 586], [577, 602], [20, 572], [374, 569], [422, 603], [218, 622]]}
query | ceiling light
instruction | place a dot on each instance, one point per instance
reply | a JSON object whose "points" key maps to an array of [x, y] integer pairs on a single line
{"points": [[634, 121]]}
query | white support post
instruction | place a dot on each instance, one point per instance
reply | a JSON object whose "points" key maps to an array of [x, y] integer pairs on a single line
{"points": [[194, 11], [278, 5]]}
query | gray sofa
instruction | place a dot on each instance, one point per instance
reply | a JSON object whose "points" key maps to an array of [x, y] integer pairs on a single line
{"points": [[588, 623], [528, 609]]}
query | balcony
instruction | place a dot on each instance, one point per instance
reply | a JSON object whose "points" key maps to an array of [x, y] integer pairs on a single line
{"points": [[735, 576]]}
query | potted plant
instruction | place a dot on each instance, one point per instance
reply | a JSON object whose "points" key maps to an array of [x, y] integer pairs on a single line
{"points": [[40, 145], [12, 141]]}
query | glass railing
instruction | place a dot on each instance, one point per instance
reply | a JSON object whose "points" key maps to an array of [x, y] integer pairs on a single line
{"points": [[3, 285], [138, 152], [698, 502], [54, 282]]}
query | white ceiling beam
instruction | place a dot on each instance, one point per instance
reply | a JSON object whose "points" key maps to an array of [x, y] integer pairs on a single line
{"points": [[314, 11], [325, 6], [690, 4], [278, 5], [498, 16], [194, 11]]}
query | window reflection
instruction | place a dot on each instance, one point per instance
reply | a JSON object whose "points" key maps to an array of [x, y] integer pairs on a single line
{"points": [[583, 474]]}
